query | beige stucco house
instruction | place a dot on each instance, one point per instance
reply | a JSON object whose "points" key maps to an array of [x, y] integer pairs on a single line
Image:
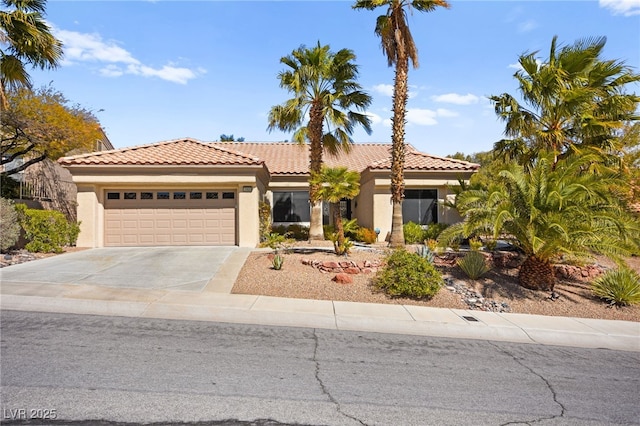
{"points": [[188, 192]]}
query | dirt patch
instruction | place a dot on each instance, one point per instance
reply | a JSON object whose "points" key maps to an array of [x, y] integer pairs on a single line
{"points": [[298, 280]]}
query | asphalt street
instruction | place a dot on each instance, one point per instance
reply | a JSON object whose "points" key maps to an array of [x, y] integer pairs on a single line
{"points": [[130, 370]]}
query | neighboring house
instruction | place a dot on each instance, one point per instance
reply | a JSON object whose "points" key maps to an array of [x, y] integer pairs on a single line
{"points": [[48, 185], [188, 192]]}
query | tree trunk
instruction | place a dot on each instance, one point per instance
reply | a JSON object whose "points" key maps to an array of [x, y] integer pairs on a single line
{"points": [[315, 166], [398, 148], [337, 224], [537, 274]]}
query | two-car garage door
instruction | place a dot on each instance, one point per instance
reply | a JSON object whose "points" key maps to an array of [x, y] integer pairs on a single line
{"points": [[169, 217]]}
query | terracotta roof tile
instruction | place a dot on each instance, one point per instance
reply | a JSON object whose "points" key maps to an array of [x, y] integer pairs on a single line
{"points": [[281, 158], [179, 152], [415, 160]]}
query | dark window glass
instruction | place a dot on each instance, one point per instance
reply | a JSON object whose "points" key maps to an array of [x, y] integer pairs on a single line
{"points": [[420, 206], [130, 195], [162, 196], [113, 195], [212, 195], [146, 195], [179, 195], [195, 195], [291, 206], [228, 195]]}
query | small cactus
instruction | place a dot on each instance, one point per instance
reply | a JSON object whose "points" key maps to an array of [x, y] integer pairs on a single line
{"points": [[278, 260]]}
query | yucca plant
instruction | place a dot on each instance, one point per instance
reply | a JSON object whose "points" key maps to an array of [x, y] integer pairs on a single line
{"points": [[473, 264], [618, 286]]}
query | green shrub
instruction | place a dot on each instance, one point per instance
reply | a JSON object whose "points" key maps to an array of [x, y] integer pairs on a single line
{"points": [[46, 230], [9, 226], [294, 231], [473, 264], [413, 233], [618, 286], [433, 231], [366, 235], [491, 244], [475, 244], [408, 275]]}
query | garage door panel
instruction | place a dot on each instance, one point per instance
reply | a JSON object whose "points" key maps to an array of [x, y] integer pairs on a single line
{"points": [[137, 222]]}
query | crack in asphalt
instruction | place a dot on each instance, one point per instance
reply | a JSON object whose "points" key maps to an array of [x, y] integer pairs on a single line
{"points": [[546, 382], [324, 388]]}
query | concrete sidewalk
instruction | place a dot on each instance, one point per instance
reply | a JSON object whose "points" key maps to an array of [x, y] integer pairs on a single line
{"points": [[214, 303]]}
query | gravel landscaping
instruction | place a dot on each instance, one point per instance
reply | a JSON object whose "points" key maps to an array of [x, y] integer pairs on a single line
{"points": [[496, 291]]}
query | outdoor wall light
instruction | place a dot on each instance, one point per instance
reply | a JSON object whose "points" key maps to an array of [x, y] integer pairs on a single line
{"points": [[247, 188]]}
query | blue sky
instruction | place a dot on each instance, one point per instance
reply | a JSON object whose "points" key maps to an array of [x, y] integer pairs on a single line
{"points": [[160, 70]]}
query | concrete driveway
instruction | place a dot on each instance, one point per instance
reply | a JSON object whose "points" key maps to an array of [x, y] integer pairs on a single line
{"points": [[176, 268]]}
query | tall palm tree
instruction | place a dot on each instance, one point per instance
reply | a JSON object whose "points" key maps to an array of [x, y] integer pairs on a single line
{"points": [[399, 48], [572, 100], [548, 211], [336, 184], [324, 89], [25, 38]]}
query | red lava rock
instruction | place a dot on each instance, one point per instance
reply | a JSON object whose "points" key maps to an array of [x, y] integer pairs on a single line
{"points": [[352, 270], [330, 265], [367, 270], [342, 278]]}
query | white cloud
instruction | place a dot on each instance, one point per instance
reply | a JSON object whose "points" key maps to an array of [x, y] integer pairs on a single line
{"points": [[421, 117], [384, 89], [375, 118], [454, 98], [442, 112], [84, 47], [526, 26], [622, 7]]}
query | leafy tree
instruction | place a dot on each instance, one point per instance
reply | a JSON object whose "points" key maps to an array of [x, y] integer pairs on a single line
{"points": [[399, 48], [324, 89], [572, 100], [230, 138], [25, 39], [549, 211], [41, 125], [335, 184]]}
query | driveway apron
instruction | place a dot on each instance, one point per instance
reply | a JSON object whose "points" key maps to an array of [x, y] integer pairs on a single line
{"points": [[176, 268]]}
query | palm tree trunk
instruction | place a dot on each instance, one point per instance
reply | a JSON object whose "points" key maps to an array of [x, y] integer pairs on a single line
{"points": [[315, 166], [337, 223], [537, 274], [398, 149]]}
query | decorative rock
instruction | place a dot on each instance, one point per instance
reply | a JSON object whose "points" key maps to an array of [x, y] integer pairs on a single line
{"points": [[352, 270], [330, 265], [342, 278]]}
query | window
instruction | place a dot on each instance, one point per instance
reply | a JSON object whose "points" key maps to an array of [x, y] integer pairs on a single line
{"points": [[195, 195], [162, 196], [179, 195], [420, 206], [146, 195], [212, 195], [130, 195], [291, 206], [113, 195], [228, 195]]}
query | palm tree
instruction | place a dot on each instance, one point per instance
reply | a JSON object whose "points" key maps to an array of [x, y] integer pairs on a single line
{"points": [[324, 89], [573, 99], [399, 48], [549, 211], [25, 38], [336, 184]]}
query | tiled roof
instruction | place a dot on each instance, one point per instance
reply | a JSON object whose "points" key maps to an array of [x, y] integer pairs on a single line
{"points": [[281, 158], [415, 160], [179, 152]]}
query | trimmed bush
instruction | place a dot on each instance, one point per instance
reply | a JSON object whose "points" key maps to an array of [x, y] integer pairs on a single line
{"points": [[46, 230], [433, 231], [619, 286], [294, 231], [413, 233], [9, 226], [473, 264], [408, 275], [366, 235]]}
